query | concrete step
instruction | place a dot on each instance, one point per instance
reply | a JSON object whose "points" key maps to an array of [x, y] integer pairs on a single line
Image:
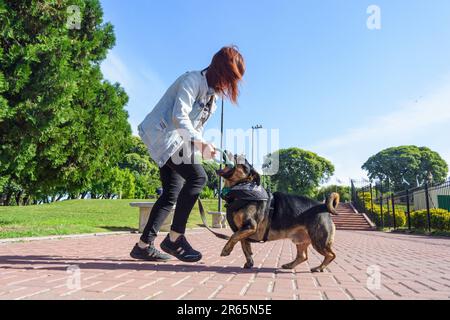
{"points": [[347, 219]]}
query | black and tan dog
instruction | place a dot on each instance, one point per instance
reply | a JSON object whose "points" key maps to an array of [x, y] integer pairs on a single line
{"points": [[303, 220]]}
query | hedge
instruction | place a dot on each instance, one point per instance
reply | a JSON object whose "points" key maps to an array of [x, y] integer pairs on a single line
{"points": [[440, 218], [388, 218]]}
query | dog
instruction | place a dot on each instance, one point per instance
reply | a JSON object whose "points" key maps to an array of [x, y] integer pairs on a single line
{"points": [[303, 220]]}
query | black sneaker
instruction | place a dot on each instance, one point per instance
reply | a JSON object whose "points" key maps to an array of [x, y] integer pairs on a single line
{"points": [[181, 249], [149, 254]]}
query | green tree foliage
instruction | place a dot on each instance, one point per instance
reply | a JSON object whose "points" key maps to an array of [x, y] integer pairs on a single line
{"points": [[129, 185], [63, 128], [135, 176], [407, 163], [344, 192], [300, 172], [213, 179], [142, 167], [207, 193]]}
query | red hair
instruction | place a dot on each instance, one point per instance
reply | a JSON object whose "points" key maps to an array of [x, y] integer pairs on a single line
{"points": [[226, 71]]}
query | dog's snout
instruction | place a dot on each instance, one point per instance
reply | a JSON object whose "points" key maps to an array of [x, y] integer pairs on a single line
{"points": [[225, 173]]}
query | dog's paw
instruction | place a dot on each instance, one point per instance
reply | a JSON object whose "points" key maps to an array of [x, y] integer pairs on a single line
{"points": [[248, 265], [315, 270], [225, 253], [287, 266]]}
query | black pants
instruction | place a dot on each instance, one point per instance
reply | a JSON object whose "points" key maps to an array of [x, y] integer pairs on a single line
{"points": [[182, 185]]}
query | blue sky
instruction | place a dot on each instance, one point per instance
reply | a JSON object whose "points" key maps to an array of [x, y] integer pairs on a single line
{"points": [[314, 69]]}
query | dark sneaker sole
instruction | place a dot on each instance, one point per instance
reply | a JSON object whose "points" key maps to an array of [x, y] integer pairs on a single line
{"points": [[180, 257], [144, 258]]}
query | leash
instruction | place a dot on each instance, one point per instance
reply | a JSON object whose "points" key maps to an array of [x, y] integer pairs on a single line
{"points": [[270, 208], [227, 162], [205, 223], [225, 158]]}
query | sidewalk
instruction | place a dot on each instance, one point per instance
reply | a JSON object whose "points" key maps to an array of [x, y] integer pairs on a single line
{"points": [[412, 267]]}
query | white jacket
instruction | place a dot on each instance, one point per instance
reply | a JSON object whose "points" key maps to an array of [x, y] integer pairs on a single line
{"points": [[179, 115]]}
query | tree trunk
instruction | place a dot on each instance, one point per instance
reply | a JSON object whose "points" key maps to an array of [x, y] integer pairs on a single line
{"points": [[18, 196], [26, 200], [7, 199]]}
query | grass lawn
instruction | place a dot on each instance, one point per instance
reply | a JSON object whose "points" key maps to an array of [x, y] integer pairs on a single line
{"points": [[78, 216]]}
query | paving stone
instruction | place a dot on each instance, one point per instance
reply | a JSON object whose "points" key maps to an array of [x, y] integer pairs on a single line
{"points": [[406, 267]]}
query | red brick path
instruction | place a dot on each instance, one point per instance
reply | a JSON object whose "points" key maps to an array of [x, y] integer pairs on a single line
{"points": [[412, 267]]}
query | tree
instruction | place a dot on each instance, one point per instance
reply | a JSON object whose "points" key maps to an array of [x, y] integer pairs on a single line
{"points": [[129, 186], [300, 171], [62, 127], [143, 168], [406, 165], [344, 192], [213, 179]]}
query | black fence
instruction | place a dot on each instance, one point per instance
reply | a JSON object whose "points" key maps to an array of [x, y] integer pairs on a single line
{"points": [[423, 208]]}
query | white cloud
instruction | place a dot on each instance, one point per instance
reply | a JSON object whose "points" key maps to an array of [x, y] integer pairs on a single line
{"points": [[143, 86], [115, 71], [423, 122]]}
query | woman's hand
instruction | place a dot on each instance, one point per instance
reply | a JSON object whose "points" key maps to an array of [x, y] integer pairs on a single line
{"points": [[208, 150]]}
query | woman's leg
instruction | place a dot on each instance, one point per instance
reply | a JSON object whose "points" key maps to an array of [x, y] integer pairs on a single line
{"points": [[196, 179], [172, 183], [176, 243]]}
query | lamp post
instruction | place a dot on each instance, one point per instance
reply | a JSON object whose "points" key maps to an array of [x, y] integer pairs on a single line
{"points": [[257, 127], [221, 147]]}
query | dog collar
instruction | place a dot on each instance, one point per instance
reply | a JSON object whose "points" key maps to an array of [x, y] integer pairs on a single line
{"points": [[225, 191]]}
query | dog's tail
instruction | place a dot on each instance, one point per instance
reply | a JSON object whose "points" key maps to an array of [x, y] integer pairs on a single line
{"points": [[333, 202]]}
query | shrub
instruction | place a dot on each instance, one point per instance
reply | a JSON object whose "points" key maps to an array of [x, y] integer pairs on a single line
{"points": [[207, 193], [343, 191], [440, 219], [388, 219], [400, 218], [129, 185]]}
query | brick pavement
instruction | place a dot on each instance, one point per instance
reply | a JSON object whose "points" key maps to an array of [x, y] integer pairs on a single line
{"points": [[411, 267]]}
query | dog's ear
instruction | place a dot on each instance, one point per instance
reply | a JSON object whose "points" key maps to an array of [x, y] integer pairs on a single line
{"points": [[255, 176]]}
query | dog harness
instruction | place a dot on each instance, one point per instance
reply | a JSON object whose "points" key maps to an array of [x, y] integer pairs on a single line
{"points": [[239, 195], [249, 191]]}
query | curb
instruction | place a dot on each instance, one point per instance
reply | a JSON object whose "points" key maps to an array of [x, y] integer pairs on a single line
{"points": [[84, 235], [61, 237]]}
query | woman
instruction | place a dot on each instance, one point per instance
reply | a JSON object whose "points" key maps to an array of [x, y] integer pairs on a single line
{"points": [[171, 132]]}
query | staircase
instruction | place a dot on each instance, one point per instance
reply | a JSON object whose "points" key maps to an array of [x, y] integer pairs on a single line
{"points": [[349, 220]]}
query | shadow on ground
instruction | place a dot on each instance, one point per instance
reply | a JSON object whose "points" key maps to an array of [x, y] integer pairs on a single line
{"points": [[60, 263]]}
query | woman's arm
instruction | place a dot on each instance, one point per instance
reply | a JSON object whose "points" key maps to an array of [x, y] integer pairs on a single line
{"points": [[188, 91]]}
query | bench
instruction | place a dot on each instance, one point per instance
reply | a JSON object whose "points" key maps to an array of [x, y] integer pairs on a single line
{"points": [[144, 213], [219, 219]]}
